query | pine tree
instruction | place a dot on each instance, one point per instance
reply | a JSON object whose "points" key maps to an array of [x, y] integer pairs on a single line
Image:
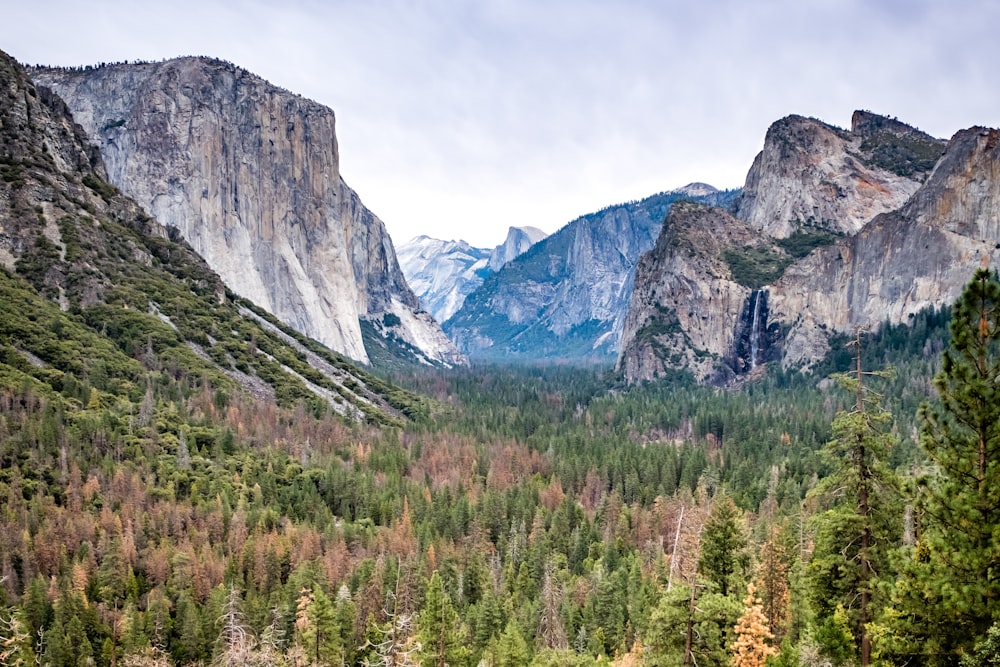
{"points": [[439, 629], [724, 557], [751, 647], [950, 594], [772, 577], [859, 527]]}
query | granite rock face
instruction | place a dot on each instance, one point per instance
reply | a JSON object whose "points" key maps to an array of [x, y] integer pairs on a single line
{"points": [[566, 297], [518, 240], [719, 295], [903, 261], [444, 273], [811, 175], [685, 305], [250, 175]]}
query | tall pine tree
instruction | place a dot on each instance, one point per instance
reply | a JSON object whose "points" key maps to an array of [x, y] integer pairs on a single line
{"points": [[950, 594], [861, 521]]}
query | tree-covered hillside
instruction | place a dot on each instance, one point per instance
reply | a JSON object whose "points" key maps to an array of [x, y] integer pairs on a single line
{"points": [[183, 481]]}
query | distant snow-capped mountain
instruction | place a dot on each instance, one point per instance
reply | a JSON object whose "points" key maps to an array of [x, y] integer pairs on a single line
{"points": [[443, 273]]}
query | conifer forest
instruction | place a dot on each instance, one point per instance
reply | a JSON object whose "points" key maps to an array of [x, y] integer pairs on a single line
{"points": [[515, 516]]}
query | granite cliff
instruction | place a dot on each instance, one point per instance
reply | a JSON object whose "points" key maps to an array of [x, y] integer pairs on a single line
{"points": [[96, 295], [444, 273], [518, 240], [811, 175], [566, 297], [720, 295], [250, 176]]}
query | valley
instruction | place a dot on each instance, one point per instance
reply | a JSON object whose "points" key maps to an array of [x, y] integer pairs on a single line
{"points": [[705, 427]]}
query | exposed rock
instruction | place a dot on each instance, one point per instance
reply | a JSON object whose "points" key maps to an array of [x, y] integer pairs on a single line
{"points": [[250, 175], [567, 296], [686, 306], [693, 306], [141, 298], [811, 175], [444, 273], [518, 240], [904, 261]]}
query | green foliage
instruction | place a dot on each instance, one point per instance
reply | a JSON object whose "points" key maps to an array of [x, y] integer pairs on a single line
{"points": [[859, 527], [104, 189], [986, 652], [949, 594], [804, 240], [904, 155], [755, 267], [439, 630]]}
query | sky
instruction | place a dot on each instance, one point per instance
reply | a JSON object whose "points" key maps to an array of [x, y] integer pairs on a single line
{"points": [[459, 118]]}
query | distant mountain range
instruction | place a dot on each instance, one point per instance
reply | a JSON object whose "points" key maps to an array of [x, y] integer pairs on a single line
{"points": [[834, 229], [443, 273], [566, 297]]}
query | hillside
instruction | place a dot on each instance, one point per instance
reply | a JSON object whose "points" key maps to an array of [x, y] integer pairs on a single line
{"points": [[100, 301]]}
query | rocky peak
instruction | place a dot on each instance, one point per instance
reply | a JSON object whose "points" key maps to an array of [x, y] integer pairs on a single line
{"points": [[691, 307], [442, 273], [814, 176], [518, 240], [250, 175]]}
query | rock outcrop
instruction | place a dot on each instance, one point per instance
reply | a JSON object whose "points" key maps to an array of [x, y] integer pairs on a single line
{"points": [[518, 240], [250, 176], [813, 176], [686, 302], [719, 296], [903, 261], [444, 273], [567, 296]]}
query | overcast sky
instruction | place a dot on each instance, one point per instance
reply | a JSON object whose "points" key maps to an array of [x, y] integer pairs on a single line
{"points": [[458, 119]]}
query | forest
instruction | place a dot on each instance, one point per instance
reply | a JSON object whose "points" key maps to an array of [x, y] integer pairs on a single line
{"points": [[539, 515]]}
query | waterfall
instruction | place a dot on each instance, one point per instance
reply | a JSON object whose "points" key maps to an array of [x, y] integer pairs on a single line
{"points": [[757, 297], [752, 340]]}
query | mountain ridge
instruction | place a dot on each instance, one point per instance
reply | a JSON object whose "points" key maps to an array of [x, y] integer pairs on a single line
{"points": [[811, 283], [250, 175], [566, 297]]}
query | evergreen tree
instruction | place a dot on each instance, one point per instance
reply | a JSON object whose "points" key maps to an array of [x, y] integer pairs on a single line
{"points": [[950, 594], [439, 629], [724, 556], [860, 526]]}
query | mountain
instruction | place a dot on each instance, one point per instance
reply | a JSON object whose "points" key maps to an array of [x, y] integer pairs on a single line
{"points": [[811, 175], [100, 303], [249, 174], [518, 240], [754, 289], [444, 273], [566, 297]]}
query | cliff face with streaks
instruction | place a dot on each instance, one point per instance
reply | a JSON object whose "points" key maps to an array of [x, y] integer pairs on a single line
{"points": [[720, 295], [813, 175], [903, 261], [250, 176]]}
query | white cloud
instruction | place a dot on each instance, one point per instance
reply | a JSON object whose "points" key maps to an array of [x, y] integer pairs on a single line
{"points": [[458, 118]]}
